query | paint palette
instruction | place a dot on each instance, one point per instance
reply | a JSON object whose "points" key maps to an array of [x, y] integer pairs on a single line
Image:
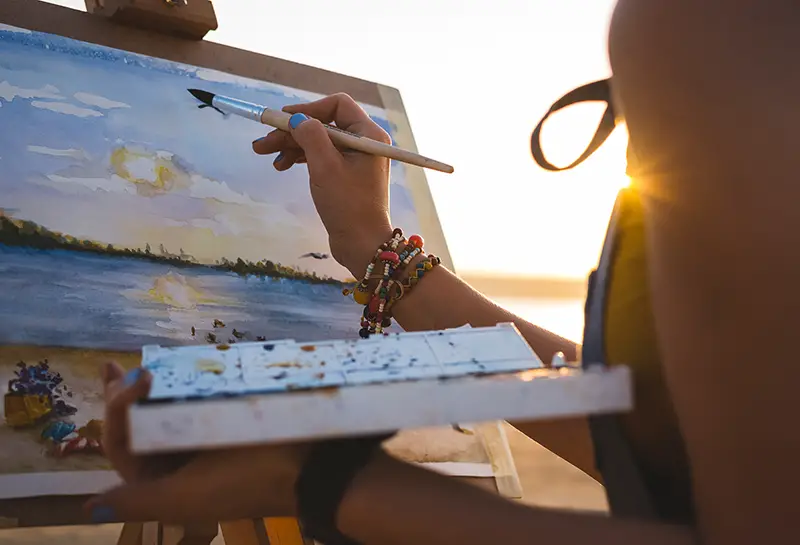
{"points": [[225, 395], [202, 372]]}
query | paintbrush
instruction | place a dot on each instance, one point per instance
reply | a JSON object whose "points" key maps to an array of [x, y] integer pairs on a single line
{"points": [[340, 138]]}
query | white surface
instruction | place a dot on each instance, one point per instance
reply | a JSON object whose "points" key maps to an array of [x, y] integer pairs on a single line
{"points": [[459, 469], [75, 483], [56, 483], [281, 366], [316, 414]]}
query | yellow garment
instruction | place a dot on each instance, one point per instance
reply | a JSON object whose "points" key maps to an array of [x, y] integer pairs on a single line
{"points": [[651, 429]]}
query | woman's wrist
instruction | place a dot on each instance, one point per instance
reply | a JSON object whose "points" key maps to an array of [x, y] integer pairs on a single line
{"points": [[358, 250]]}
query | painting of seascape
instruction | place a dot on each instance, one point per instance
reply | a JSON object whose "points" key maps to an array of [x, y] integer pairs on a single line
{"points": [[129, 216]]}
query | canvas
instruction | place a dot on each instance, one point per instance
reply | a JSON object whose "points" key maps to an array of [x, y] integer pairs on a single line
{"points": [[129, 216]]}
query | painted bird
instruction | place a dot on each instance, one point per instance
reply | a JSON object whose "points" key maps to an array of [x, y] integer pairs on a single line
{"points": [[218, 323], [238, 334], [315, 255], [194, 331]]}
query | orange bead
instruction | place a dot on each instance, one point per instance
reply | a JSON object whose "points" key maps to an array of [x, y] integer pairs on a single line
{"points": [[361, 297], [416, 241]]}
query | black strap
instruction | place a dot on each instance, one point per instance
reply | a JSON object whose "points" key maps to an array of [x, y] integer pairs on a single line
{"points": [[325, 477], [598, 91]]}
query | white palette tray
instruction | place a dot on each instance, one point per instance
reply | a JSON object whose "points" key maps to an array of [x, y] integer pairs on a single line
{"points": [[220, 396]]}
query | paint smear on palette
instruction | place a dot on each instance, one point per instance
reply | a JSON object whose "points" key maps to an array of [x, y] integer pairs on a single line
{"points": [[249, 368]]}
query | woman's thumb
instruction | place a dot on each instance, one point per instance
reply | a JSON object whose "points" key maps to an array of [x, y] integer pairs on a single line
{"points": [[312, 136]]}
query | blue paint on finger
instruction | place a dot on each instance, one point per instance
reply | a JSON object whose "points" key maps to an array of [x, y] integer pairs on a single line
{"points": [[296, 119], [132, 376], [103, 514]]}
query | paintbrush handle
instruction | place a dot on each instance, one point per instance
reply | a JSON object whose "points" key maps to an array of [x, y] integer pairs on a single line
{"points": [[349, 140]]}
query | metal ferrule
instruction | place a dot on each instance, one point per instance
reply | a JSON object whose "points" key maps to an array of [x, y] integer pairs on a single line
{"points": [[238, 107]]}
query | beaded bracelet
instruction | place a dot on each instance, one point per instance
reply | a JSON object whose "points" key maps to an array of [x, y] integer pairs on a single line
{"points": [[427, 264], [360, 293], [377, 304]]}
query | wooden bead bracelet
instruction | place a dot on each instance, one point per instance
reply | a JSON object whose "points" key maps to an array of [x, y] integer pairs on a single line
{"points": [[378, 302]]}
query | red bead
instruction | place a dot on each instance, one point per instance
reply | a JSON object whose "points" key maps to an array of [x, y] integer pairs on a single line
{"points": [[374, 303], [389, 256], [416, 241]]}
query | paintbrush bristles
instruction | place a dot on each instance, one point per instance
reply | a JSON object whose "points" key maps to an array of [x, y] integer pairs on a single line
{"points": [[203, 96]]}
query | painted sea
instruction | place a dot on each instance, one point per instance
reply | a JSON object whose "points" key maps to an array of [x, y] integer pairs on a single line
{"points": [[73, 299]]}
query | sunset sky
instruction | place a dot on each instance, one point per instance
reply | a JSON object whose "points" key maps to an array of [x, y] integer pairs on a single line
{"points": [[475, 77]]}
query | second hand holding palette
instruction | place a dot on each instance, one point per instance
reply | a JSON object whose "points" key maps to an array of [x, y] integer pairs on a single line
{"points": [[250, 393]]}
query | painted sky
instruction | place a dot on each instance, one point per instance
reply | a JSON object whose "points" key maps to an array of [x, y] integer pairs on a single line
{"points": [[108, 145]]}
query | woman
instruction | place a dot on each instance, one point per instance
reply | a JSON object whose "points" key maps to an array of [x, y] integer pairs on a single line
{"points": [[711, 440]]}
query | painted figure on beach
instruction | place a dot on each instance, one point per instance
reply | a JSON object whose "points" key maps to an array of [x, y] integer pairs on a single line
{"points": [[128, 216]]}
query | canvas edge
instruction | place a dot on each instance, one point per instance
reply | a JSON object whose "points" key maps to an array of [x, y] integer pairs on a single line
{"points": [[416, 181], [56, 483], [15, 486], [78, 25]]}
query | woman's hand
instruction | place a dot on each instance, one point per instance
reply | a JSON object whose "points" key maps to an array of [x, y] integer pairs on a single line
{"points": [[212, 485], [350, 189]]}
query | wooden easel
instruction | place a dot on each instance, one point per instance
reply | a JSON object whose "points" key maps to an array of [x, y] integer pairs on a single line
{"points": [[268, 531]]}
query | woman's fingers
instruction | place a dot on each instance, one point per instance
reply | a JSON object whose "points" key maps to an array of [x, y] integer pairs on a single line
{"points": [[345, 112], [287, 158], [110, 372], [339, 108], [282, 143], [213, 486], [274, 142], [121, 393]]}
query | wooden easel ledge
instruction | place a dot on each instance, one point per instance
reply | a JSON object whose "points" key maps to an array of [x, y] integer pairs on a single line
{"points": [[191, 21]]}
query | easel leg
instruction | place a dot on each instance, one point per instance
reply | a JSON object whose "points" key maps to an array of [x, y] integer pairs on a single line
{"points": [[243, 532], [155, 533], [495, 441], [284, 531], [268, 531], [151, 533], [131, 534]]}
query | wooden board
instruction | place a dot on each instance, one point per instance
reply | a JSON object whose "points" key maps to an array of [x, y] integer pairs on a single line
{"points": [[205, 398]]}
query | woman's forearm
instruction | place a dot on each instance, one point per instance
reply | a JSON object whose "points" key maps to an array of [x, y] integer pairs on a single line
{"points": [[392, 503], [442, 300]]}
